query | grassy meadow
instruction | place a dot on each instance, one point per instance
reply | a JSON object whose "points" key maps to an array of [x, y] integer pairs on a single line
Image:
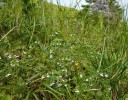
{"points": [[50, 52]]}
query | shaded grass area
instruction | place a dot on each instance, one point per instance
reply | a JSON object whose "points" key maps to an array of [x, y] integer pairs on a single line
{"points": [[48, 53]]}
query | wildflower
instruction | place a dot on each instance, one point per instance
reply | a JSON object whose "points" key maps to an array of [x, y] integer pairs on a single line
{"points": [[57, 44], [29, 56], [109, 89], [65, 70], [51, 84], [17, 61], [69, 79], [66, 58], [59, 85], [56, 33], [47, 75], [36, 42], [101, 74], [58, 63], [106, 75], [9, 56], [60, 76], [30, 47], [16, 56], [42, 77], [81, 75], [77, 64], [86, 79], [62, 58], [77, 91], [50, 51], [0, 58], [24, 52], [8, 75], [73, 61], [51, 56], [12, 65]]}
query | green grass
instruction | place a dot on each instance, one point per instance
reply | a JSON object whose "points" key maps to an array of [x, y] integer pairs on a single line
{"points": [[49, 52]]}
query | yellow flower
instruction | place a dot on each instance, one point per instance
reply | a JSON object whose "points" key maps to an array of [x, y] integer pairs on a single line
{"points": [[76, 64]]}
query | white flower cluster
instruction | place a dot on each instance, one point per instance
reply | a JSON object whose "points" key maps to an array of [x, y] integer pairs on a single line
{"points": [[104, 75]]}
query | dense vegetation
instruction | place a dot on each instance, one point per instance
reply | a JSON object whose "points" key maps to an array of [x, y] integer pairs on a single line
{"points": [[50, 52]]}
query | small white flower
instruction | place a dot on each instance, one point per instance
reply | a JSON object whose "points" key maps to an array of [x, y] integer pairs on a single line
{"points": [[16, 56], [12, 65], [30, 47], [64, 70], [60, 76], [17, 61], [106, 75], [69, 79], [77, 91], [36, 42], [101, 74], [86, 79], [51, 84], [66, 58], [9, 56], [56, 33], [81, 75], [65, 85], [51, 56], [42, 77], [59, 85], [50, 51], [0, 58], [73, 61], [109, 89], [52, 73], [58, 63], [62, 58], [24, 52], [57, 44], [29, 56], [47, 75], [8, 75]]}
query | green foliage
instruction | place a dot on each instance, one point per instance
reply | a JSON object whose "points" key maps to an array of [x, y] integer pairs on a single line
{"points": [[51, 52]]}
